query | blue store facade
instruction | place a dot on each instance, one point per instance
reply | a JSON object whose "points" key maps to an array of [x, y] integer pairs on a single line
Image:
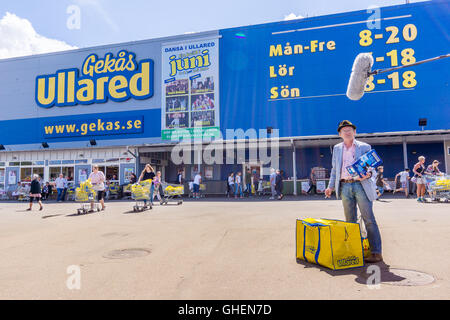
{"points": [[123, 105]]}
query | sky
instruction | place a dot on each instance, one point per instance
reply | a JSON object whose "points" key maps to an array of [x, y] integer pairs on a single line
{"points": [[32, 27]]}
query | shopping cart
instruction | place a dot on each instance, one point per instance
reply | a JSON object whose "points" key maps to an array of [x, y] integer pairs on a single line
{"points": [[140, 192], [172, 191], [85, 194], [441, 186], [127, 191], [264, 188], [113, 189], [71, 192]]}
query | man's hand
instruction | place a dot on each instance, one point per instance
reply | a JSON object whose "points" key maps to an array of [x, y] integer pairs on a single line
{"points": [[328, 192], [364, 177]]}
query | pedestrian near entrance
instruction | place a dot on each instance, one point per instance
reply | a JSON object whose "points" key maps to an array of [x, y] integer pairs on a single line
{"points": [[255, 182], [180, 177], [419, 179], [380, 183], [157, 186], [238, 185], [35, 192], [230, 185], [196, 185], [60, 183], [431, 172], [354, 191], [279, 185], [313, 181], [248, 182], [45, 191], [273, 176], [146, 174], [66, 186], [404, 181], [97, 179]]}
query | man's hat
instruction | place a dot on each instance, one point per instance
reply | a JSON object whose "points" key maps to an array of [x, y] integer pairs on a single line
{"points": [[345, 123]]}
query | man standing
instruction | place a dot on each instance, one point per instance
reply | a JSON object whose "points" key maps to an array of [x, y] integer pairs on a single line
{"points": [[279, 184], [354, 190], [60, 183], [248, 182], [273, 176], [66, 186], [238, 185], [196, 185], [312, 178]]}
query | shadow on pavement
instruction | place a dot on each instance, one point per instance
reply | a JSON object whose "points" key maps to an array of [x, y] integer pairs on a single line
{"points": [[364, 275]]}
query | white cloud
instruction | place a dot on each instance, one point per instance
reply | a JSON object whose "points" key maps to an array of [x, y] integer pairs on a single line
{"points": [[18, 38], [292, 16]]}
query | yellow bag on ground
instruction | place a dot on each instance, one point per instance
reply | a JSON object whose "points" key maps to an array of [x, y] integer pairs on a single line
{"points": [[330, 243]]}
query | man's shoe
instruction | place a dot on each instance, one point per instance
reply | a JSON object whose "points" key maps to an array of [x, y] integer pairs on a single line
{"points": [[374, 258]]}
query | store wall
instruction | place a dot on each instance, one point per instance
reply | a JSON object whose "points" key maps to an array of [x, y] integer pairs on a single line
{"points": [[431, 152], [12, 177], [447, 156]]}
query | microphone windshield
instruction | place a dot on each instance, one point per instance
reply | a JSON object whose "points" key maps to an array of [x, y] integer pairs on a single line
{"points": [[360, 73]]}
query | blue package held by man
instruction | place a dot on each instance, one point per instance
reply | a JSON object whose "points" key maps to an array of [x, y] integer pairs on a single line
{"points": [[362, 164]]}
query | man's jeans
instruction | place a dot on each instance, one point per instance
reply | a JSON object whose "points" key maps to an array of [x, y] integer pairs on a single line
{"points": [[60, 192], [238, 189], [249, 189], [353, 194]]}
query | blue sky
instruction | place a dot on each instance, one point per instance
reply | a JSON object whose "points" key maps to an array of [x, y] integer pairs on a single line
{"points": [[112, 21]]}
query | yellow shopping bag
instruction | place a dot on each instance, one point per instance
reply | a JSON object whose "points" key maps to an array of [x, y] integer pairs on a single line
{"points": [[331, 243]]}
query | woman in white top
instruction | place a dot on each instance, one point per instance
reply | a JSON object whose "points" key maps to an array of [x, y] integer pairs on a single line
{"points": [[97, 179]]}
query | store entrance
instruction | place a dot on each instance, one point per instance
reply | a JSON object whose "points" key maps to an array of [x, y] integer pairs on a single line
{"points": [[26, 173], [111, 172], [66, 171]]}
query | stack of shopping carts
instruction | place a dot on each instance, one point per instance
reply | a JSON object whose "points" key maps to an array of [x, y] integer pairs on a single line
{"points": [[172, 192], [441, 186]]}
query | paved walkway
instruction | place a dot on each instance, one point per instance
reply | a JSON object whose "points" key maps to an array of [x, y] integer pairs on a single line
{"points": [[209, 249]]}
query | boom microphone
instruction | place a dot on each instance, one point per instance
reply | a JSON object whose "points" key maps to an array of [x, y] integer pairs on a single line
{"points": [[361, 72]]}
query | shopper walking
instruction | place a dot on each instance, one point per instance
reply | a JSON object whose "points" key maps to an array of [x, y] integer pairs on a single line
{"points": [[273, 176], [147, 174], [248, 182], [279, 185], [238, 185], [313, 181], [404, 181], [157, 186], [230, 185], [97, 179], [431, 172], [380, 183], [196, 185], [35, 192], [419, 179]]}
